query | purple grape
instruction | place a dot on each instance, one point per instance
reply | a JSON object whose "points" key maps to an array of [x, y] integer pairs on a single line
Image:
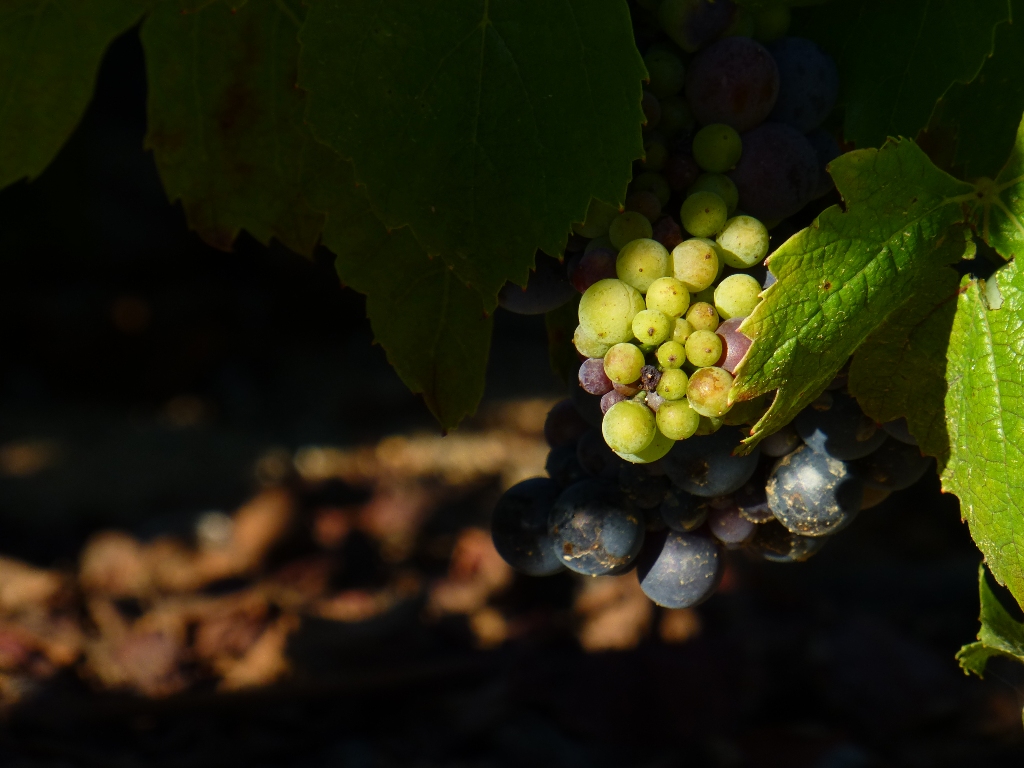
{"points": [[827, 149], [564, 424], [734, 343], [667, 232], [585, 269], [777, 173], [734, 81], [649, 378], [610, 399], [692, 24], [595, 457], [593, 379], [546, 289], [808, 83], [679, 570], [683, 512], [519, 527], [645, 203], [596, 531], [628, 389], [680, 171], [729, 526]]}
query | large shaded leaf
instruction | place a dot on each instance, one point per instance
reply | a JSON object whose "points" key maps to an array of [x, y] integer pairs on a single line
{"points": [[484, 125], [896, 58], [1000, 634], [842, 276], [226, 120], [50, 52], [985, 420]]}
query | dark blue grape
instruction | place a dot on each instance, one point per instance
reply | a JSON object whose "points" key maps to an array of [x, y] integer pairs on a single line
{"points": [[778, 444], [808, 83], [563, 467], [680, 171], [813, 494], [752, 502], [679, 570], [827, 149], [777, 173], [519, 527], [546, 289], [564, 424], [892, 467], [692, 24], [683, 512], [774, 543], [705, 466], [644, 490], [595, 529], [596, 458], [900, 430], [835, 425], [734, 81]]}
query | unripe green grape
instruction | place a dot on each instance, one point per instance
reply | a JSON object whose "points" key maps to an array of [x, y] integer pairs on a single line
{"points": [[671, 354], [665, 70], [702, 316], [668, 295], [695, 263], [607, 309], [742, 24], [587, 344], [676, 117], [682, 330], [771, 23], [652, 327], [652, 182], [627, 227], [655, 155], [703, 214], [708, 425], [743, 242], [721, 185], [737, 295], [641, 262], [677, 420], [600, 242], [659, 446], [717, 147], [623, 362], [703, 348], [628, 426], [708, 391], [672, 384], [598, 219]]}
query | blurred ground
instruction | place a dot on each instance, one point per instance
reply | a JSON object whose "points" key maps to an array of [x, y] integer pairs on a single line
{"points": [[229, 536]]}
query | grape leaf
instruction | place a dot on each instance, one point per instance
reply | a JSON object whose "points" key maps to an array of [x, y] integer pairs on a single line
{"points": [[985, 420], [896, 59], [1000, 204], [484, 125], [900, 370], [50, 52], [978, 121], [1000, 634], [842, 276], [432, 327], [226, 120]]}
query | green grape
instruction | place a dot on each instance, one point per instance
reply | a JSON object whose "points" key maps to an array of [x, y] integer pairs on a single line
{"points": [[641, 262], [743, 242], [703, 213], [598, 219], [702, 316], [707, 296], [695, 263], [665, 70], [655, 155], [668, 295], [672, 384], [628, 426], [627, 227], [737, 295], [717, 147], [659, 446], [587, 344], [742, 24], [677, 420], [607, 309], [652, 327], [721, 185], [652, 182], [746, 411], [771, 23], [703, 348], [600, 242], [671, 354], [682, 330], [676, 117], [623, 362], [708, 391], [708, 426]]}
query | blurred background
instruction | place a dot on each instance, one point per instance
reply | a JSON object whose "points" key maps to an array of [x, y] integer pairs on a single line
{"points": [[230, 536]]}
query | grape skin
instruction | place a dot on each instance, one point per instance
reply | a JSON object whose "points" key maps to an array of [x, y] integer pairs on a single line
{"points": [[705, 466], [675, 117], [679, 570], [743, 242], [721, 185], [593, 380], [609, 399], [640, 262], [778, 172], [708, 391], [683, 512], [519, 527], [676, 419], [681, 171], [668, 295], [717, 147], [733, 81], [564, 424], [734, 344], [835, 425], [587, 268], [672, 385], [623, 363], [607, 309], [786, 440], [729, 526], [694, 23], [645, 203], [666, 72], [813, 494], [652, 326], [893, 467], [595, 530], [702, 316], [695, 264], [628, 427], [703, 213], [703, 348], [808, 83], [736, 296], [667, 232], [587, 345], [628, 226]]}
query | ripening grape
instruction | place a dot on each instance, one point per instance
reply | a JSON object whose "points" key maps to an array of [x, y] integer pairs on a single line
{"points": [[677, 420], [645, 203], [736, 296], [585, 269], [778, 172], [602, 243], [667, 232], [734, 344], [587, 344], [702, 316], [695, 263], [682, 330], [628, 226], [607, 309], [676, 117], [611, 398], [652, 326], [671, 354], [623, 362], [717, 147], [650, 181], [708, 391], [680, 170], [672, 385], [733, 81], [593, 380], [703, 348], [702, 214], [598, 219], [665, 70], [668, 295], [808, 83], [721, 185], [628, 427], [709, 468], [641, 262], [743, 242]]}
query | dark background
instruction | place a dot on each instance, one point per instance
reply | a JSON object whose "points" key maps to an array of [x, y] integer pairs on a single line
{"points": [[118, 327]]}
